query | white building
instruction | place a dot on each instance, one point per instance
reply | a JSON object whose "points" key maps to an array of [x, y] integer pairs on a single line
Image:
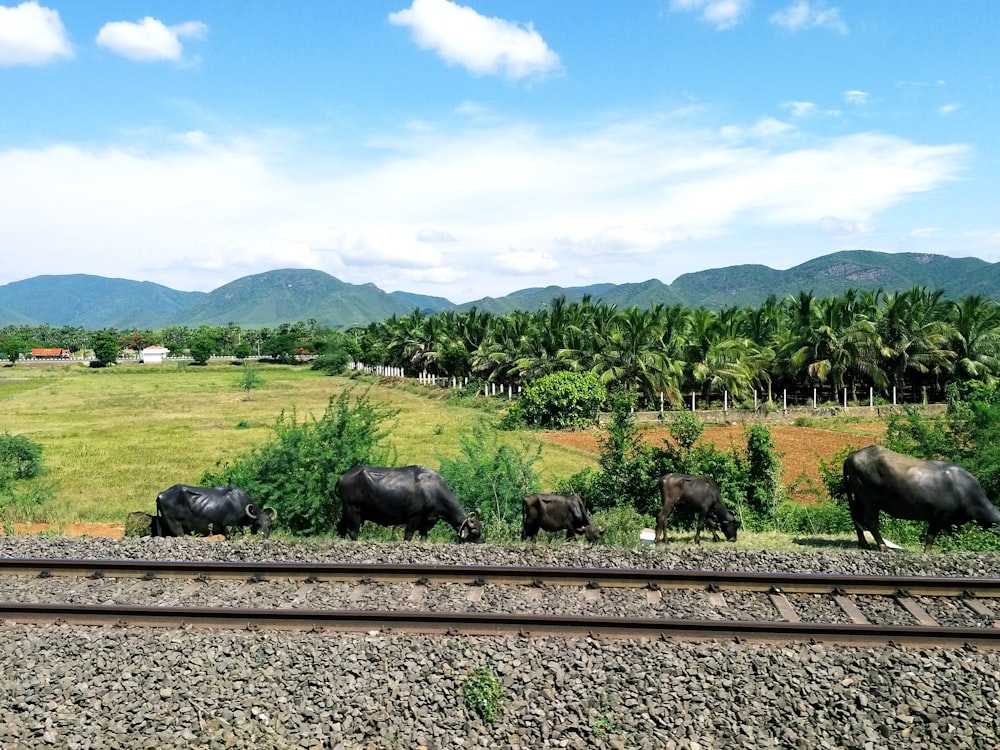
{"points": [[153, 355]]}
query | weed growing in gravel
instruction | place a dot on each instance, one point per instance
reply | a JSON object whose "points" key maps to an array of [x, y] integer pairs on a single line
{"points": [[484, 694], [603, 725]]}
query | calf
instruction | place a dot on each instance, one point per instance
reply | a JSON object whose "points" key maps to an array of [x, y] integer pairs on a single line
{"points": [[557, 513], [700, 494]]}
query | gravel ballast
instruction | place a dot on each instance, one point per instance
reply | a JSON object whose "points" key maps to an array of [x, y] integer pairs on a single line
{"points": [[78, 687]]}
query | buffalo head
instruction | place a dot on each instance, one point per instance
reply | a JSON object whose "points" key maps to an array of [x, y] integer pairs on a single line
{"points": [[728, 527], [470, 530], [261, 520], [592, 532]]}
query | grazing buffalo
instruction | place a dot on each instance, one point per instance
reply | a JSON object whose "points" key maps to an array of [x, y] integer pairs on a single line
{"points": [[943, 494], [412, 496], [210, 510], [700, 494], [556, 513]]}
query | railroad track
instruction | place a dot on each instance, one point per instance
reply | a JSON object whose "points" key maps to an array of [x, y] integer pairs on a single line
{"points": [[787, 598]]}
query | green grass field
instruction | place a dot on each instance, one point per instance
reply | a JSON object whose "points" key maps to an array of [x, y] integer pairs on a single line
{"points": [[113, 438]]}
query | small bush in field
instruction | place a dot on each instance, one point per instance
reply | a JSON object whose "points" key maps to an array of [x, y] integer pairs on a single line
{"points": [[20, 457], [561, 400], [296, 471]]}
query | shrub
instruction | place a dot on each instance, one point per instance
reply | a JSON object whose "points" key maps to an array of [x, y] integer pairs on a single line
{"points": [[332, 363], [561, 400], [20, 457], [494, 477], [296, 472]]}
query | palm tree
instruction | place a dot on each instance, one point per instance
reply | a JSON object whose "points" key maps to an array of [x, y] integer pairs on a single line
{"points": [[976, 339]]}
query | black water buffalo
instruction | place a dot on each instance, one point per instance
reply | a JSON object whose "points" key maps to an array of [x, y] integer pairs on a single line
{"points": [[943, 494], [700, 494], [412, 496], [210, 510], [556, 513]]}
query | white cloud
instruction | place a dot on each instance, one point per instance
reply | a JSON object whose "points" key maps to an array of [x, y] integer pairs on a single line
{"points": [[481, 44], [856, 97], [843, 227], [800, 109], [31, 35], [473, 208], [149, 39], [807, 15], [722, 14], [948, 109], [766, 127], [525, 261]]}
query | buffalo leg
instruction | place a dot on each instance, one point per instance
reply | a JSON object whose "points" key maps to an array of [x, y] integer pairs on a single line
{"points": [[933, 529], [661, 521], [702, 520], [529, 530], [175, 527]]}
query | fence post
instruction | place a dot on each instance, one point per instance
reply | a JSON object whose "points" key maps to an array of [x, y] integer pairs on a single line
{"points": [[894, 395], [692, 401], [814, 398], [871, 397], [845, 397], [784, 400], [725, 402]]}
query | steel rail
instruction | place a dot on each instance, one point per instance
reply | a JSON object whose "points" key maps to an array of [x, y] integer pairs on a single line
{"points": [[775, 582], [490, 624]]}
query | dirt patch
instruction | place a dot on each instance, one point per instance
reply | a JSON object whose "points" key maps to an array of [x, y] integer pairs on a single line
{"points": [[801, 449], [113, 530]]}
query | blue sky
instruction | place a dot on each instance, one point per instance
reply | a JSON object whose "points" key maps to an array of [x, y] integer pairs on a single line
{"points": [[472, 149]]}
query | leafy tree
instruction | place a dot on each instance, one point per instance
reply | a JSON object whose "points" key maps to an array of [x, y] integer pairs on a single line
{"points": [[12, 347], [202, 349], [105, 346], [242, 350], [296, 471]]}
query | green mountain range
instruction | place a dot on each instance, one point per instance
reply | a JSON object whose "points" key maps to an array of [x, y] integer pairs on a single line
{"points": [[289, 295]]}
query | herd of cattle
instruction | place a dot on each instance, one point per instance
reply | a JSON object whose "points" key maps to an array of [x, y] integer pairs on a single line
{"points": [[876, 480]]}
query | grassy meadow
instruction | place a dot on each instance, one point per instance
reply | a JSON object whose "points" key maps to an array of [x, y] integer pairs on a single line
{"points": [[113, 438]]}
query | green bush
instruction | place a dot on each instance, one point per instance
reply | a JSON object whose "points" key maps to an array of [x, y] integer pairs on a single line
{"points": [[561, 400], [332, 363], [296, 471], [20, 457], [494, 477]]}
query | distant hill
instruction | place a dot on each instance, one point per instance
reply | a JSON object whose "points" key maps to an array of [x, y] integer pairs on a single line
{"points": [[90, 302], [289, 295]]}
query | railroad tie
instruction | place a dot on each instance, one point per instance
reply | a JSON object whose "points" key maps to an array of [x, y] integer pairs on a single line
{"points": [[918, 612], [851, 609], [784, 607], [302, 594], [982, 609]]}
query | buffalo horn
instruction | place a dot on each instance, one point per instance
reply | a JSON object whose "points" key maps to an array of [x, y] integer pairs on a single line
{"points": [[271, 512], [249, 511]]}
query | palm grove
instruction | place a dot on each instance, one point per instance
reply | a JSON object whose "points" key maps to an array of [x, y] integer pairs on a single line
{"points": [[911, 340]]}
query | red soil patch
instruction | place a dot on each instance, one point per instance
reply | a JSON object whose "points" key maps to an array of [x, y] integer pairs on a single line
{"points": [[113, 530], [800, 449]]}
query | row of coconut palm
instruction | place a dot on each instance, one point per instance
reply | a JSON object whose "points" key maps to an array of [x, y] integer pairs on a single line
{"points": [[910, 341]]}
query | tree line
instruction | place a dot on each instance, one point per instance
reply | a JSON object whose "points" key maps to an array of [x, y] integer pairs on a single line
{"points": [[914, 341]]}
